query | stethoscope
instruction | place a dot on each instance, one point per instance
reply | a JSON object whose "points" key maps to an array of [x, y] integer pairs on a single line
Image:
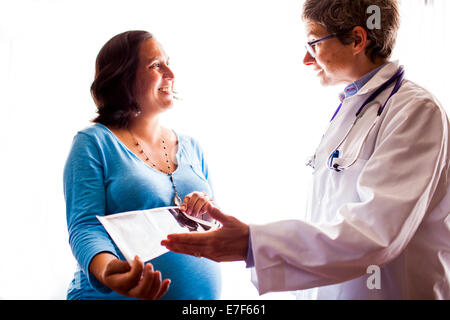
{"points": [[332, 163]]}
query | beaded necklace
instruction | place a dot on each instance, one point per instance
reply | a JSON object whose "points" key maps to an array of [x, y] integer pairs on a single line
{"points": [[169, 172]]}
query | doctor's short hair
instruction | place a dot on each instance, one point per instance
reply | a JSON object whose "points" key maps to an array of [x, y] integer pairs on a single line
{"points": [[341, 16], [115, 76]]}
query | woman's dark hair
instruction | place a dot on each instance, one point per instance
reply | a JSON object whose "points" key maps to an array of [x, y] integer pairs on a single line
{"points": [[115, 75]]}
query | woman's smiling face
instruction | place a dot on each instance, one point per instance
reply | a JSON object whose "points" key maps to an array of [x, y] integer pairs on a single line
{"points": [[154, 78]]}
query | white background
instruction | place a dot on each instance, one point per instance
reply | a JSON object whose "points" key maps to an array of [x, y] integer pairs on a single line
{"points": [[256, 110]]}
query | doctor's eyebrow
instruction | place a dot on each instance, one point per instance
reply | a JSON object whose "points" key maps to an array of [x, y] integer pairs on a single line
{"points": [[313, 36], [313, 33]]}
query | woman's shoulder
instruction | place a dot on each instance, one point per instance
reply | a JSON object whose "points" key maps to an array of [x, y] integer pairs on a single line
{"points": [[94, 136], [95, 130], [96, 133]]}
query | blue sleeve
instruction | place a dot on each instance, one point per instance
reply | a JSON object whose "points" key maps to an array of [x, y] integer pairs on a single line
{"points": [[84, 193]]}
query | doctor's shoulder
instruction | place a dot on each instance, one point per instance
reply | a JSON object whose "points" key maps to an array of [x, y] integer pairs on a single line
{"points": [[413, 103]]}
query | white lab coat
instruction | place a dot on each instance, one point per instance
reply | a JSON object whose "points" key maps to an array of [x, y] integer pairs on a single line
{"points": [[390, 209]]}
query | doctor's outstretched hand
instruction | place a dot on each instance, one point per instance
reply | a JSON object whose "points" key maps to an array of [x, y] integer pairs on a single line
{"points": [[228, 243]]}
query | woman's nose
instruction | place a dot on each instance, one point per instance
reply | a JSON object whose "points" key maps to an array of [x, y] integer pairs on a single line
{"points": [[168, 73]]}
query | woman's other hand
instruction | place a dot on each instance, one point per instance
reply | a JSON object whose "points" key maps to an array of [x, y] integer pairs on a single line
{"points": [[135, 280]]}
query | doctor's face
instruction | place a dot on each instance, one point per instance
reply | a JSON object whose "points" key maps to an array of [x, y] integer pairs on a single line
{"points": [[333, 60]]}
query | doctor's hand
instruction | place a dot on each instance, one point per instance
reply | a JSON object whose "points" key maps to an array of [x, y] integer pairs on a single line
{"points": [[135, 280], [228, 243]]}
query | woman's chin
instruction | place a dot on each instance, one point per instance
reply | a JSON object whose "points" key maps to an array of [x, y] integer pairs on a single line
{"points": [[166, 106]]}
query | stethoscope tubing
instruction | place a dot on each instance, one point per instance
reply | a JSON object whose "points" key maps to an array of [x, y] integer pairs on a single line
{"points": [[398, 77]]}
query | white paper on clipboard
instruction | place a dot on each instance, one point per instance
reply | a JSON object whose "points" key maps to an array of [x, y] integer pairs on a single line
{"points": [[141, 232]]}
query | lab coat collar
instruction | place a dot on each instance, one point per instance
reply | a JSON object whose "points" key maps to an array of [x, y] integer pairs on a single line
{"points": [[383, 75]]}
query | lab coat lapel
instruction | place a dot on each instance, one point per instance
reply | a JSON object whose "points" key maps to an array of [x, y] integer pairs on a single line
{"points": [[343, 121], [339, 126]]}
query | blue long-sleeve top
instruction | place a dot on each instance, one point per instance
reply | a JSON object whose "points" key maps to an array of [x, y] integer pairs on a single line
{"points": [[101, 177]]}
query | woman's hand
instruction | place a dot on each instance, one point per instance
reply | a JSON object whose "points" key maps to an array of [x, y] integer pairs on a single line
{"points": [[195, 203], [138, 280]]}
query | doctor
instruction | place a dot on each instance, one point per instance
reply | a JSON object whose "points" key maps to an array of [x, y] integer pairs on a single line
{"points": [[379, 225]]}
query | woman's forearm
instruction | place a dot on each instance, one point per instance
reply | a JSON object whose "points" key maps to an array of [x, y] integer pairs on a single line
{"points": [[98, 264]]}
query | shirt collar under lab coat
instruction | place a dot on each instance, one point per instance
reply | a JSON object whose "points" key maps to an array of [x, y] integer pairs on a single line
{"points": [[369, 82], [354, 87]]}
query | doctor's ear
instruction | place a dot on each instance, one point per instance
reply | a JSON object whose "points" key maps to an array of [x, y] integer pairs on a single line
{"points": [[360, 41]]}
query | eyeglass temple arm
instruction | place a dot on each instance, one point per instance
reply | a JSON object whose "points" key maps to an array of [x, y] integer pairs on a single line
{"points": [[322, 39]]}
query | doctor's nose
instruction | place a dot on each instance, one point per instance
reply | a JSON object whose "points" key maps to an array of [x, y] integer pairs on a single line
{"points": [[308, 59]]}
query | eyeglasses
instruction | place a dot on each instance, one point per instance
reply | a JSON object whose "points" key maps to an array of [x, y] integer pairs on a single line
{"points": [[310, 46]]}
